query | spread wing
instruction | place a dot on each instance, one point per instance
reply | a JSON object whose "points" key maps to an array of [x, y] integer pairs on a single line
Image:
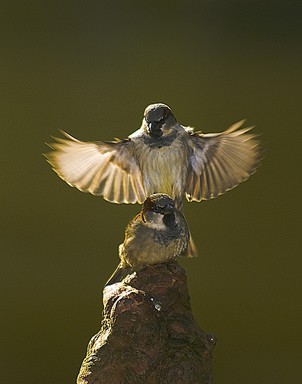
{"points": [[220, 161], [101, 168]]}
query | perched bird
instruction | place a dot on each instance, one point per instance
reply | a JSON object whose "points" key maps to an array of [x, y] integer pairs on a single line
{"points": [[161, 156], [157, 234]]}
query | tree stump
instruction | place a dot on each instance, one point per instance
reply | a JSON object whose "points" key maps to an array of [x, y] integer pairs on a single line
{"points": [[148, 334]]}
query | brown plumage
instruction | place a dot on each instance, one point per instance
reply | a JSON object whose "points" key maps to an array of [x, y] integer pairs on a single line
{"points": [[161, 156], [157, 234]]}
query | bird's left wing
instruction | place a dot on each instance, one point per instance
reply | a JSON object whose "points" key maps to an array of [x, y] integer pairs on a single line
{"points": [[101, 168], [220, 161]]}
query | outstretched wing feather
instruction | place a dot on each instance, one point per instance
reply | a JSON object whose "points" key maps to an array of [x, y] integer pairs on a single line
{"points": [[220, 161], [101, 168]]}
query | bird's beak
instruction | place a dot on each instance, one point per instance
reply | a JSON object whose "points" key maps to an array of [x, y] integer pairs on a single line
{"points": [[154, 129], [168, 209]]}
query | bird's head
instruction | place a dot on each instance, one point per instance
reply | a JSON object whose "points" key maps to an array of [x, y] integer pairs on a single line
{"points": [[159, 210], [158, 120]]}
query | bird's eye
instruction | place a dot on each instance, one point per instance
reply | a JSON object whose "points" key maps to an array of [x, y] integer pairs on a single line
{"points": [[156, 208]]}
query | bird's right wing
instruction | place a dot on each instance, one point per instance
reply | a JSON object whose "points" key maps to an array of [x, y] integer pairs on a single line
{"points": [[101, 168]]}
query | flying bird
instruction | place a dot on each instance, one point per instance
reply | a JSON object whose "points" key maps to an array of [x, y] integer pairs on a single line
{"points": [[162, 156], [157, 234]]}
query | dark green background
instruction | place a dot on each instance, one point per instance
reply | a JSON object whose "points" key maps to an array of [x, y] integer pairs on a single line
{"points": [[91, 68]]}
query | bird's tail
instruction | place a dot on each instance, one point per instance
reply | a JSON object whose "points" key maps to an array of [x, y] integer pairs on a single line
{"points": [[119, 274], [192, 249]]}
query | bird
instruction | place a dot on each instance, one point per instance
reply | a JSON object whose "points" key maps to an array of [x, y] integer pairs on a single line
{"points": [[158, 234], [162, 156]]}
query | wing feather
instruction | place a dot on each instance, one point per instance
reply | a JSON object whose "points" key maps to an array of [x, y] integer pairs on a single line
{"points": [[220, 161], [109, 169]]}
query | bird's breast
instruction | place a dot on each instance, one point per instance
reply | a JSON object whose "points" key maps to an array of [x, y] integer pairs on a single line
{"points": [[164, 169]]}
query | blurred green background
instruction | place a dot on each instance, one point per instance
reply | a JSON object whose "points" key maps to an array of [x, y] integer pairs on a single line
{"points": [[91, 68]]}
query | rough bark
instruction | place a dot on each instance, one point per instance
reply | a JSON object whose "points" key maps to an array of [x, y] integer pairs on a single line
{"points": [[148, 334]]}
